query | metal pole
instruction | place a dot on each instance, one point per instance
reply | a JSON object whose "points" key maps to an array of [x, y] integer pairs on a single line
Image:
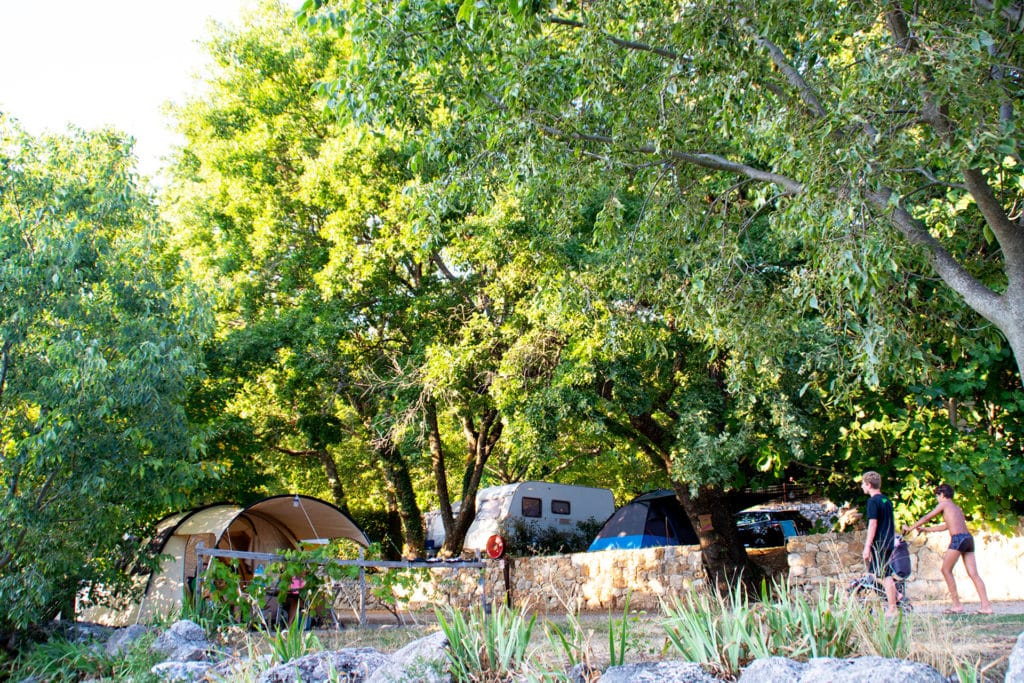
{"points": [[362, 590], [483, 586], [506, 568]]}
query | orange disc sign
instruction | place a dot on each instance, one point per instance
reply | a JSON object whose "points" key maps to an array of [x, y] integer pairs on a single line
{"points": [[495, 547]]}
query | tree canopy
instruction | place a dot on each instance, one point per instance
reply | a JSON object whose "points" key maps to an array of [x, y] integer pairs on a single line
{"points": [[817, 194], [878, 144], [98, 347], [412, 249]]}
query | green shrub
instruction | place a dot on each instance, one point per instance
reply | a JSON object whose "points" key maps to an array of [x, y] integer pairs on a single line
{"points": [[59, 659], [523, 539]]}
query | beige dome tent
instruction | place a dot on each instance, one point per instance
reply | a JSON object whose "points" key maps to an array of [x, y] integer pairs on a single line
{"points": [[267, 526]]}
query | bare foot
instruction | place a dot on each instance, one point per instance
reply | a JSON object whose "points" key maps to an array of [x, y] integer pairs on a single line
{"points": [[891, 613], [953, 610], [986, 609]]}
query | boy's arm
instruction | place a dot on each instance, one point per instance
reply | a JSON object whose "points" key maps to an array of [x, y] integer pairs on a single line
{"points": [[872, 529], [918, 523]]}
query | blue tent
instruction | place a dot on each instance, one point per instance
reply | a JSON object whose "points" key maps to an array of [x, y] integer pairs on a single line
{"points": [[649, 520]]}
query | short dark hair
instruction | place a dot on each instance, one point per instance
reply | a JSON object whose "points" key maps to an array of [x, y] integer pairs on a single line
{"points": [[944, 490]]}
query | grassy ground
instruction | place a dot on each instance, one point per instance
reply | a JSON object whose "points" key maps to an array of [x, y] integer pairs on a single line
{"points": [[984, 641], [974, 647]]}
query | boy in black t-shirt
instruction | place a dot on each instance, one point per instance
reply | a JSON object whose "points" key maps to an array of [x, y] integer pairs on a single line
{"points": [[881, 536]]}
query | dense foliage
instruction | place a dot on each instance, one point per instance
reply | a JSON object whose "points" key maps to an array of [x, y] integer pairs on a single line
{"points": [[777, 184], [98, 346]]}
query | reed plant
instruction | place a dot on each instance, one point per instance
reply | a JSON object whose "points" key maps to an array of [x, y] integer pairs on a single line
{"points": [[797, 626], [720, 631], [290, 643], [726, 631], [487, 647]]}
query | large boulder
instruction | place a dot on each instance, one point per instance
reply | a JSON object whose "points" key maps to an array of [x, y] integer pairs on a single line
{"points": [[658, 672], [184, 641], [828, 670], [772, 669], [83, 631], [1015, 670], [352, 665], [181, 672], [122, 639], [422, 661]]}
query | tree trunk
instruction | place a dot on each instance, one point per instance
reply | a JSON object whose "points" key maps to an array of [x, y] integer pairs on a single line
{"points": [[337, 486], [480, 442], [724, 558], [392, 550], [437, 460], [397, 473]]}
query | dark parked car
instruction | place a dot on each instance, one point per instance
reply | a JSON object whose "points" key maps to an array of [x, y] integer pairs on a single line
{"points": [[770, 528]]}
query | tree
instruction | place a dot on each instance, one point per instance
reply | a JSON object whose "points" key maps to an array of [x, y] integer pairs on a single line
{"points": [[253, 242], [876, 142], [98, 349], [798, 164], [359, 330]]}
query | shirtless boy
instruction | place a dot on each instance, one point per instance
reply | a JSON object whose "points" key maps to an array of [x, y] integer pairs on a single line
{"points": [[961, 544]]}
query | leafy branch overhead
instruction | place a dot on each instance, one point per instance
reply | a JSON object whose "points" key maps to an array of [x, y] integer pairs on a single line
{"points": [[866, 120]]}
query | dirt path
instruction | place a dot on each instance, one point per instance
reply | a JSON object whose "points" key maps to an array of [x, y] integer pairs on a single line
{"points": [[998, 607]]}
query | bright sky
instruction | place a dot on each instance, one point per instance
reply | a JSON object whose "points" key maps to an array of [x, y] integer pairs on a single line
{"points": [[96, 62]]}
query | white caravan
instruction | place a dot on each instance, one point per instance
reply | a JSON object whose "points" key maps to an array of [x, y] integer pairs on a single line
{"points": [[530, 502]]}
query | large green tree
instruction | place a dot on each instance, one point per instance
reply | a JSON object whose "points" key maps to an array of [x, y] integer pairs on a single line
{"points": [[878, 139], [98, 348], [804, 169], [364, 302]]}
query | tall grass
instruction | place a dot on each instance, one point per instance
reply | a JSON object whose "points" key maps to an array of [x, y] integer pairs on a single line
{"points": [[487, 647], [59, 659], [724, 632]]}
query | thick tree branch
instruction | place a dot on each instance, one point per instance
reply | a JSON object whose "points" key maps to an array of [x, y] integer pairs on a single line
{"points": [[704, 160], [977, 295], [807, 94], [896, 19], [311, 453], [621, 42], [1009, 235], [439, 262], [1013, 12], [5, 362]]}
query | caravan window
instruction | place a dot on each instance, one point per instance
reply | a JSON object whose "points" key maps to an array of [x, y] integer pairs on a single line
{"points": [[560, 507], [532, 507]]}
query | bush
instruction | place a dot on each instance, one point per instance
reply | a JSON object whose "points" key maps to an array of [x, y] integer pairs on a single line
{"points": [[59, 659], [523, 539]]}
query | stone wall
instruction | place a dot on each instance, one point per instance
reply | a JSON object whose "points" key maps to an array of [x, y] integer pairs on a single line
{"points": [[601, 580], [581, 581]]}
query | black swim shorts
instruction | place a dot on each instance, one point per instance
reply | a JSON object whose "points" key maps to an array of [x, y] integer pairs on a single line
{"points": [[963, 543]]}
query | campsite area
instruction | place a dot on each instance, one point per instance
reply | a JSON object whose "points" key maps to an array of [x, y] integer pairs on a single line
{"points": [[432, 301]]}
